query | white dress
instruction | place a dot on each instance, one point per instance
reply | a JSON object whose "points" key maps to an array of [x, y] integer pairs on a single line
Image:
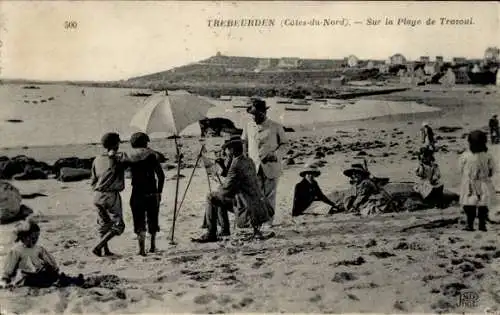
{"points": [[477, 171]]}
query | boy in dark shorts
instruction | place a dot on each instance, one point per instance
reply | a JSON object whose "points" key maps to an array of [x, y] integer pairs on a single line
{"points": [[147, 186]]}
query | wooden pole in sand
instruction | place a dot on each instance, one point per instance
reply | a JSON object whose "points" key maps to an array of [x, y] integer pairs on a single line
{"points": [[176, 188]]}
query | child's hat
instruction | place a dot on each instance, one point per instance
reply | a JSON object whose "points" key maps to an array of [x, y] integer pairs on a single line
{"points": [[25, 228]]}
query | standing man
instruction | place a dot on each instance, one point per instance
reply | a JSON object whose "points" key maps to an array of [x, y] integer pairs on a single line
{"points": [[494, 129], [148, 179], [265, 144]]}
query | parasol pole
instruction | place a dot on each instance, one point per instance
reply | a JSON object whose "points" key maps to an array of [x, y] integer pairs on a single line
{"points": [[176, 187]]}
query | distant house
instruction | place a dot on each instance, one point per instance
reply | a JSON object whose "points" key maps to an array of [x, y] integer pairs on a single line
{"points": [[264, 64], [289, 63], [370, 64], [383, 68], [352, 61], [425, 59], [459, 61], [476, 69], [492, 54], [397, 59], [432, 68], [452, 77]]}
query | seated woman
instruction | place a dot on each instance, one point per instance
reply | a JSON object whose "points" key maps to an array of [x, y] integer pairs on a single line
{"points": [[367, 198], [430, 187], [307, 191], [36, 264]]}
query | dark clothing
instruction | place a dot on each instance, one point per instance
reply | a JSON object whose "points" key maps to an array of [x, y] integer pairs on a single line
{"points": [[482, 214], [305, 194], [217, 212], [494, 130], [142, 167], [145, 211]]}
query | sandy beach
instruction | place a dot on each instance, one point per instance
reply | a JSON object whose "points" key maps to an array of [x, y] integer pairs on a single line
{"points": [[415, 262]]}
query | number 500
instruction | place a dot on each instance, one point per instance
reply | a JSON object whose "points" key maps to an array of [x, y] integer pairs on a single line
{"points": [[70, 24]]}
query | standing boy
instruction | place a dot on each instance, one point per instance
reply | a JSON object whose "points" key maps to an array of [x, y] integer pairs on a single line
{"points": [[147, 186], [108, 180]]}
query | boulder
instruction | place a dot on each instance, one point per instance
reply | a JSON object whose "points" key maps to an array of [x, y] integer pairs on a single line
{"points": [[68, 174], [10, 201], [72, 162]]}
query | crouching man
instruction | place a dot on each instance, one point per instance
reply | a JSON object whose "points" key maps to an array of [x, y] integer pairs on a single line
{"points": [[241, 184]]}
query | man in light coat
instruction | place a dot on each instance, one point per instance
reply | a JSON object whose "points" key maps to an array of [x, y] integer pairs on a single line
{"points": [[265, 143]]}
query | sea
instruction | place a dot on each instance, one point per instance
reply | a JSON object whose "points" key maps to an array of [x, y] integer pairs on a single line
{"points": [[47, 115]]}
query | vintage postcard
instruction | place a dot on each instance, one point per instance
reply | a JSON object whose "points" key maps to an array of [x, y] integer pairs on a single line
{"points": [[249, 157]]}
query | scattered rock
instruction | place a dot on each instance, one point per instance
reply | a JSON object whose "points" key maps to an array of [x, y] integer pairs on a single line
{"points": [[356, 262], [382, 254], [352, 297], [371, 243], [400, 306], [446, 129], [342, 277], [204, 298]]}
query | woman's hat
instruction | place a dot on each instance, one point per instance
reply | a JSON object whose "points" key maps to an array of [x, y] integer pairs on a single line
{"points": [[256, 105], [231, 141], [356, 168], [310, 169]]}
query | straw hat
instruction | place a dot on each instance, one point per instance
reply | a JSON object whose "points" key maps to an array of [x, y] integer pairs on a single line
{"points": [[356, 168], [310, 169]]}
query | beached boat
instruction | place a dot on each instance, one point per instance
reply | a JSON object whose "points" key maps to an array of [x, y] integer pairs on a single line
{"points": [[336, 104], [284, 101], [332, 106], [225, 98], [300, 105]]}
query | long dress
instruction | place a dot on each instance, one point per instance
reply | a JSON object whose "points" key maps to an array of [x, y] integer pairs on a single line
{"points": [[477, 171]]}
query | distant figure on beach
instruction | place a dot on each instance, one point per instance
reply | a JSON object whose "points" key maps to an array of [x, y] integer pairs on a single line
{"points": [[307, 191], [83, 92], [477, 168], [367, 197], [108, 180], [265, 142], [148, 180], [494, 129], [241, 184], [428, 136], [37, 266], [430, 188]]}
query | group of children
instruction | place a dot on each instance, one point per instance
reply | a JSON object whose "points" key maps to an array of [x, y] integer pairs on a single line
{"points": [[108, 180]]}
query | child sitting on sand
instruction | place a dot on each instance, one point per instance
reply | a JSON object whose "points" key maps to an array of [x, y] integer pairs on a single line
{"points": [[430, 187], [38, 267], [476, 191]]}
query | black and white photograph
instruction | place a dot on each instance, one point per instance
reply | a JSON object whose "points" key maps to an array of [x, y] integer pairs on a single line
{"points": [[249, 157]]}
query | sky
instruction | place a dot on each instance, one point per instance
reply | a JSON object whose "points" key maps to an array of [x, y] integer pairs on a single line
{"points": [[117, 40]]}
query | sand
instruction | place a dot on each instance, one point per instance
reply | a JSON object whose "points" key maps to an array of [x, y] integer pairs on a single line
{"points": [[394, 263]]}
